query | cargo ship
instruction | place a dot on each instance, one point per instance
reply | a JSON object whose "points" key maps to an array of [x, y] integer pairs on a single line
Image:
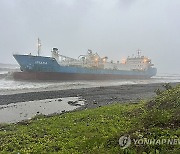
{"points": [[86, 67]]}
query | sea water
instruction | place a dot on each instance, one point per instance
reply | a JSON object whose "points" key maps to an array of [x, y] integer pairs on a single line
{"points": [[17, 112]]}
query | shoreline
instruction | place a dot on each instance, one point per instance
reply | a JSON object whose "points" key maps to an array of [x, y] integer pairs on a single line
{"points": [[100, 130], [94, 97]]}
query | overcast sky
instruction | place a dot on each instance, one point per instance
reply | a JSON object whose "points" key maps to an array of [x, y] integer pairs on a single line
{"points": [[113, 28]]}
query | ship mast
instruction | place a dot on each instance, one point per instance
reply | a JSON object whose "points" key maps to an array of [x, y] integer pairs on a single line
{"points": [[39, 46], [139, 52]]}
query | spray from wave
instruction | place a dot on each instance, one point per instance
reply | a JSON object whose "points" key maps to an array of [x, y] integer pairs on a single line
{"points": [[6, 75], [6, 71]]}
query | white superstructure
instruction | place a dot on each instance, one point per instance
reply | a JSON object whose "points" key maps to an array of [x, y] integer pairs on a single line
{"points": [[93, 60]]}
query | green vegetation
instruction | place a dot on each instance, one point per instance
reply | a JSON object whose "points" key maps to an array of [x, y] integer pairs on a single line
{"points": [[98, 130]]}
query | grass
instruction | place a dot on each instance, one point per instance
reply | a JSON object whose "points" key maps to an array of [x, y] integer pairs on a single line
{"points": [[98, 130]]}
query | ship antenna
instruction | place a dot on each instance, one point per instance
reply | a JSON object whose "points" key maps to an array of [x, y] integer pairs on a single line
{"points": [[39, 46]]}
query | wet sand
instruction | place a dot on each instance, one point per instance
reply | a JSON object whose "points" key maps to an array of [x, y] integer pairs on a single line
{"points": [[94, 97], [16, 112]]}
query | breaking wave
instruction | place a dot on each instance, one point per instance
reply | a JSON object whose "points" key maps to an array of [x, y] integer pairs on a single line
{"points": [[6, 71], [6, 75]]}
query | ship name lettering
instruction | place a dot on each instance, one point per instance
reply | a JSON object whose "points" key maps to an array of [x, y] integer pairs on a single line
{"points": [[41, 62]]}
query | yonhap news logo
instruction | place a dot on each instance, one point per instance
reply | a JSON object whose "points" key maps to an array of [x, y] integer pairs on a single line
{"points": [[125, 141]]}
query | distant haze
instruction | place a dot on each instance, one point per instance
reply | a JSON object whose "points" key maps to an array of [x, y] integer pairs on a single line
{"points": [[113, 28]]}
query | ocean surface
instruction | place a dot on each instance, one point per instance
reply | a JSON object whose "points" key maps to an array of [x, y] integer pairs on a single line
{"points": [[7, 83]]}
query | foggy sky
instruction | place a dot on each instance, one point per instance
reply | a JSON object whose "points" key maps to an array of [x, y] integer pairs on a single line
{"points": [[113, 28]]}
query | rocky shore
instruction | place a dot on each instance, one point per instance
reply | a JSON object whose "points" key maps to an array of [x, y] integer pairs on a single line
{"points": [[94, 97]]}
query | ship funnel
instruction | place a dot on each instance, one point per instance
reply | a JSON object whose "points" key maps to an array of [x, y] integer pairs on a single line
{"points": [[55, 49]]}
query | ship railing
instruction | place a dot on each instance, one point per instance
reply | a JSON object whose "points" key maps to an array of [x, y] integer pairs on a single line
{"points": [[67, 58], [70, 63]]}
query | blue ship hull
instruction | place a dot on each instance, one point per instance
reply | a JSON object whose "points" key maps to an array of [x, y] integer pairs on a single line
{"points": [[47, 68]]}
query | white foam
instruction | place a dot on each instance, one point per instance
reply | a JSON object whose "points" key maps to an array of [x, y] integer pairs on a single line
{"points": [[10, 86]]}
